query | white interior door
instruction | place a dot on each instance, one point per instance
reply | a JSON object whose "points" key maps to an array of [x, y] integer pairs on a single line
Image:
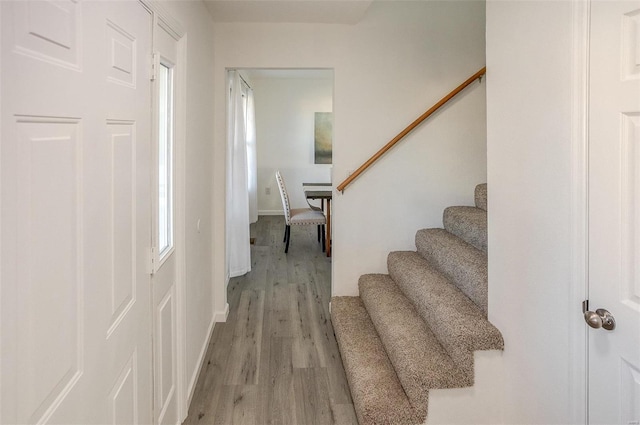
{"points": [[76, 204], [614, 211], [164, 280]]}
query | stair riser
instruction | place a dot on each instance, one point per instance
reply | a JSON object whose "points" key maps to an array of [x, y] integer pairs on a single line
{"points": [[481, 196], [467, 223], [461, 263]]}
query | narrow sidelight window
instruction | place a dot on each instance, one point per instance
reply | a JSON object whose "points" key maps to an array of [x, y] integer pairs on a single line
{"points": [[165, 160]]}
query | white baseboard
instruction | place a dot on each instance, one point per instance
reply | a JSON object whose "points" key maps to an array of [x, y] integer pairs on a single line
{"points": [[221, 316], [201, 358], [270, 212]]}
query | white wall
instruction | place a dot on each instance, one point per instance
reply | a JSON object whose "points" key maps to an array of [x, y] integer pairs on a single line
{"points": [[388, 69], [285, 109], [529, 59], [195, 19]]}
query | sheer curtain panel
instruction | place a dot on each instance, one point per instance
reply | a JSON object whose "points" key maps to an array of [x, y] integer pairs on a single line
{"points": [[238, 245], [252, 157]]}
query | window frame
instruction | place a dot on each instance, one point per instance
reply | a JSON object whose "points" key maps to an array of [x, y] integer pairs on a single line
{"points": [[162, 253]]}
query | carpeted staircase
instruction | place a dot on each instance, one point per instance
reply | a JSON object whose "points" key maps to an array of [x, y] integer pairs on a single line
{"points": [[417, 328]]}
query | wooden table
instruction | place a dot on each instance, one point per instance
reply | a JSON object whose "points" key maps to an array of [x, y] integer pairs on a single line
{"points": [[322, 195], [316, 185]]}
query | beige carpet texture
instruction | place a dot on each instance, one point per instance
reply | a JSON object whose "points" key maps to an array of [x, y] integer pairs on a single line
{"points": [[417, 327]]}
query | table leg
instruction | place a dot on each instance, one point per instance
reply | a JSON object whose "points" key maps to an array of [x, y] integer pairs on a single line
{"points": [[328, 238]]}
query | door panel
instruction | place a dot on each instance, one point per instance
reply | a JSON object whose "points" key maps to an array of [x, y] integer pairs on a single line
{"points": [[614, 211], [122, 171], [48, 244], [49, 31], [76, 201]]}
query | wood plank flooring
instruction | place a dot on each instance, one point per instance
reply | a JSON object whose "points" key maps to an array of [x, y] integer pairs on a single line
{"points": [[276, 360]]}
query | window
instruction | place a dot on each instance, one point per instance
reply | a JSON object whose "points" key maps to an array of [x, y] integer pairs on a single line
{"points": [[165, 160]]}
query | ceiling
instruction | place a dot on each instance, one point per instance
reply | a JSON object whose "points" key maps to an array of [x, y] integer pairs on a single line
{"points": [[288, 11]]}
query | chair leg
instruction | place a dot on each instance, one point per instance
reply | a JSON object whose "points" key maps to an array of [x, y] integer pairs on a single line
{"points": [[287, 238], [323, 238], [319, 232], [285, 233]]}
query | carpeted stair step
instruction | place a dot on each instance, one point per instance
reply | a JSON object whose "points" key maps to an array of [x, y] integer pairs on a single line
{"points": [[414, 351], [467, 223], [460, 262], [459, 324], [377, 394], [481, 196]]}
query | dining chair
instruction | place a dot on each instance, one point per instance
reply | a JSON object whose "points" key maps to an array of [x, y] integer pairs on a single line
{"points": [[298, 216], [315, 208]]}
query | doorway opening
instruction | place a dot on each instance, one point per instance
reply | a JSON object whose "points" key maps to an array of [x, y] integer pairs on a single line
{"points": [[289, 105]]}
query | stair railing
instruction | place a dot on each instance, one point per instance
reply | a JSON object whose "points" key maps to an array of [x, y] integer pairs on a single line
{"points": [[477, 76]]}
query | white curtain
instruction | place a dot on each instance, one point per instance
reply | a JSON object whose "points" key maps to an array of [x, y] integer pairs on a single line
{"points": [[238, 246], [252, 158]]}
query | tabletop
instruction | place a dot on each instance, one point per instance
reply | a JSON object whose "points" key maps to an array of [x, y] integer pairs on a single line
{"points": [[316, 184], [318, 194]]}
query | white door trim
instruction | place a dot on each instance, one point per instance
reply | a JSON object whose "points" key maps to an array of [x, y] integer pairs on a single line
{"points": [[1, 363], [578, 349]]}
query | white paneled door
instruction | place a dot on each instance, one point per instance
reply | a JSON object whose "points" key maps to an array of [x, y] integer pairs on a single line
{"points": [[614, 211], [76, 211], [164, 287]]}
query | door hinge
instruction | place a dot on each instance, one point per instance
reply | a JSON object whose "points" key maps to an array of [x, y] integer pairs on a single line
{"points": [[585, 306], [152, 260], [155, 61]]}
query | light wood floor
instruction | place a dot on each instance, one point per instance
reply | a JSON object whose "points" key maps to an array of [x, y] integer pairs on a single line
{"points": [[275, 360]]}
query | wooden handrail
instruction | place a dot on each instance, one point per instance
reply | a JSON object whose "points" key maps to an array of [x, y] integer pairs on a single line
{"points": [[407, 130]]}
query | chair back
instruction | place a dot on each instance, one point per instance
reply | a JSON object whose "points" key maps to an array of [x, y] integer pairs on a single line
{"points": [[285, 198]]}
